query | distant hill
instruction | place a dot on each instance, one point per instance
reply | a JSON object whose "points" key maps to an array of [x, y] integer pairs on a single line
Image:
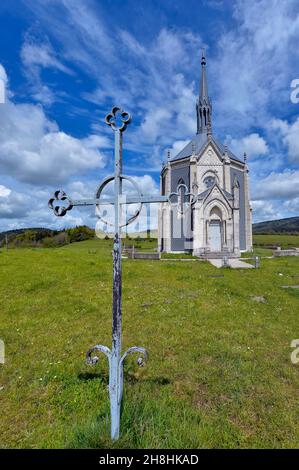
{"points": [[44, 232], [35, 237], [47, 238], [288, 226]]}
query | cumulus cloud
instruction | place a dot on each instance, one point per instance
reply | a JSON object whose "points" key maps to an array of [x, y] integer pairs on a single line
{"points": [[28, 207], [13, 204], [283, 185], [34, 150], [253, 144]]}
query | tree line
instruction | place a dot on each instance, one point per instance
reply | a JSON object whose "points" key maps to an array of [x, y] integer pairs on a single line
{"points": [[45, 238]]}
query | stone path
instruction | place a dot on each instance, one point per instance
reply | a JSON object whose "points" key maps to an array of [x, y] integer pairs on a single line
{"points": [[233, 263]]}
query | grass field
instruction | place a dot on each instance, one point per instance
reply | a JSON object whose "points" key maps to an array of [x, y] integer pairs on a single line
{"points": [[219, 373], [284, 241]]}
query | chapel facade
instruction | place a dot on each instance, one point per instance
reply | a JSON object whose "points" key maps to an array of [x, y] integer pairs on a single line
{"points": [[209, 212]]}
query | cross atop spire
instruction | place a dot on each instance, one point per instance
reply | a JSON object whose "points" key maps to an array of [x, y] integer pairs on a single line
{"points": [[204, 105]]}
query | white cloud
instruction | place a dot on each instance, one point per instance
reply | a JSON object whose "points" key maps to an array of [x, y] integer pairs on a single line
{"points": [[153, 123], [255, 61], [253, 144], [36, 56], [3, 84], [41, 55], [34, 150], [147, 184], [292, 206], [13, 205], [3, 75], [290, 137], [283, 185], [177, 146], [4, 191], [265, 210]]}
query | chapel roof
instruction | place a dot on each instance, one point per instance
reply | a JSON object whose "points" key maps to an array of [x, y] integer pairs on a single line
{"points": [[197, 143]]}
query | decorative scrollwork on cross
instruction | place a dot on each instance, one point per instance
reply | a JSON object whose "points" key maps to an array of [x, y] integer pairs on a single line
{"points": [[112, 119], [142, 358], [58, 210], [91, 360]]}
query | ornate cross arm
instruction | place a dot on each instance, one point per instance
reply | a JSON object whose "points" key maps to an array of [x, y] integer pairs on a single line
{"points": [[61, 210]]}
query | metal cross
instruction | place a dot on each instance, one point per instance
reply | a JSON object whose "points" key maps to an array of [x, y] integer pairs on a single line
{"points": [[118, 120]]}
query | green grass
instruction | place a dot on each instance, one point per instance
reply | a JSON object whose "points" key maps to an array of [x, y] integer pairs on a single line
{"points": [[284, 241], [261, 244], [219, 372]]}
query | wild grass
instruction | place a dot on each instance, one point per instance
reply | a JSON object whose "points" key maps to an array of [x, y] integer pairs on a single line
{"points": [[219, 373], [284, 241]]}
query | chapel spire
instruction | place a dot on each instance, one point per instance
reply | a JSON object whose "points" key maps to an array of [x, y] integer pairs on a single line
{"points": [[204, 104]]}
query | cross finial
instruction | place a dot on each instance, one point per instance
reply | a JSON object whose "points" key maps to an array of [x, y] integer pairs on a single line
{"points": [[118, 119]]}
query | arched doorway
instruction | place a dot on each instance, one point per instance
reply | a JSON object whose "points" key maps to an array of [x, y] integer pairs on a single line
{"points": [[215, 230]]}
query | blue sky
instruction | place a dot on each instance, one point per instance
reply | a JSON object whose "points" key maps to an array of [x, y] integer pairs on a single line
{"points": [[64, 64]]}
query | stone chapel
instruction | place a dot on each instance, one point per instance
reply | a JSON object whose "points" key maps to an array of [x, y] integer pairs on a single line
{"points": [[209, 213]]}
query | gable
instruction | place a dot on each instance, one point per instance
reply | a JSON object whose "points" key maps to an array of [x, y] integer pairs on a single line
{"points": [[210, 156], [215, 193]]}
